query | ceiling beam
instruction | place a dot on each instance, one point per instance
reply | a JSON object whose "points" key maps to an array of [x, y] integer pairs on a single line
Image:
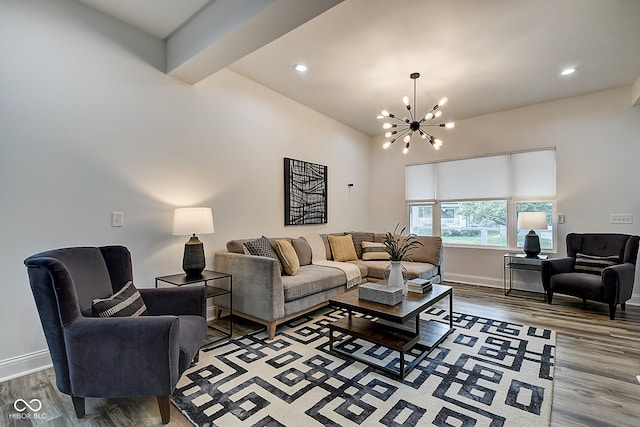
{"points": [[226, 30]]}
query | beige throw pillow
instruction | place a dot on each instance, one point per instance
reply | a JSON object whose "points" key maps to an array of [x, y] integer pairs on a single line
{"points": [[288, 257], [374, 251], [342, 248]]}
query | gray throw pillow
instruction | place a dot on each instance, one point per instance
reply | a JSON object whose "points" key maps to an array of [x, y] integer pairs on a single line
{"points": [[262, 247]]}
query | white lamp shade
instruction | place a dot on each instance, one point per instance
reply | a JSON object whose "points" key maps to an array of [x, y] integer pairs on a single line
{"points": [[532, 221], [187, 221]]}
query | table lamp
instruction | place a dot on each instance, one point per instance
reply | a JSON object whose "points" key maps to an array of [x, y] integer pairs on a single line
{"points": [[192, 221], [532, 221]]}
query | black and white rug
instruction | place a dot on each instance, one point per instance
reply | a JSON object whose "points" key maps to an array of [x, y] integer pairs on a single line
{"points": [[486, 373]]}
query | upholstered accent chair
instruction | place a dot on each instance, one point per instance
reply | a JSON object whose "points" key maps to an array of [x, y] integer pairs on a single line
{"points": [[113, 356], [599, 267]]}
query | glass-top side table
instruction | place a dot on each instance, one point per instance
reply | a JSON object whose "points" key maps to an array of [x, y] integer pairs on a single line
{"points": [[212, 292], [519, 261]]}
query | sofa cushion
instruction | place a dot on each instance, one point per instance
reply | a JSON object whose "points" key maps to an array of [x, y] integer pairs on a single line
{"points": [[588, 285], [311, 279], [374, 251], [262, 247], [358, 238], [124, 303], [422, 270], [288, 256], [429, 252], [303, 250], [342, 248]]}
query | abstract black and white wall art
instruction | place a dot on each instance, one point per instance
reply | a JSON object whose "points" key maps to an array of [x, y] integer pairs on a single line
{"points": [[305, 192]]}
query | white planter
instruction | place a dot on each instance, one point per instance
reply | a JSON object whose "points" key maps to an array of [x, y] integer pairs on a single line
{"points": [[396, 278]]}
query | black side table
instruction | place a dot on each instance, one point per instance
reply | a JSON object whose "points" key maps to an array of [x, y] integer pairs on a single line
{"points": [[519, 261], [212, 292]]}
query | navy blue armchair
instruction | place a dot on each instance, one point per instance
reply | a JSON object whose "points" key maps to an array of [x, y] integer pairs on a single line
{"points": [[113, 356], [598, 266]]}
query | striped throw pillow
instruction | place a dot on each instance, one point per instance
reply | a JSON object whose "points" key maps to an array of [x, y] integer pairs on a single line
{"points": [[374, 251], [594, 264], [126, 302]]}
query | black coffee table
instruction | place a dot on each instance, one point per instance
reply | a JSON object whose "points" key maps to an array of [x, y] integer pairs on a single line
{"points": [[395, 326]]}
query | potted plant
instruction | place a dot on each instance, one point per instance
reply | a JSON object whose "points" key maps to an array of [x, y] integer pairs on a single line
{"points": [[399, 248]]}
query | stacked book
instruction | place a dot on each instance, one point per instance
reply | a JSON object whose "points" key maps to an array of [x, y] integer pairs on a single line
{"points": [[419, 286]]}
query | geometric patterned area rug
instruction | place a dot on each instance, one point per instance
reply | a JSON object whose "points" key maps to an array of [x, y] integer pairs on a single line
{"points": [[486, 373]]}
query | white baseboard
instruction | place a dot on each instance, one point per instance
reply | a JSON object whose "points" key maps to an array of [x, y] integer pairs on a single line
{"points": [[23, 365]]}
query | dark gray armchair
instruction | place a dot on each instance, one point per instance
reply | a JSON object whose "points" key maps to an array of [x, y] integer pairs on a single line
{"points": [[612, 285], [113, 356]]}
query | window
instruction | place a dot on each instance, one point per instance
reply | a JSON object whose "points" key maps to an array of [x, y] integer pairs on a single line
{"points": [[481, 222], [476, 201], [421, 219]]}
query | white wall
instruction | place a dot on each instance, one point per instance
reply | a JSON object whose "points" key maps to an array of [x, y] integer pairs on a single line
{"points": [[598, 153], [88, 125]]}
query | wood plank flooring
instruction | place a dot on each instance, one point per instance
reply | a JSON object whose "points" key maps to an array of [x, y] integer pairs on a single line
{"points": [[597, 361]]}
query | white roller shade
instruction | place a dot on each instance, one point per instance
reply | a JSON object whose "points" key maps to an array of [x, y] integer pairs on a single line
{"points": [[533, 174], [480, 178], [420, 182]]}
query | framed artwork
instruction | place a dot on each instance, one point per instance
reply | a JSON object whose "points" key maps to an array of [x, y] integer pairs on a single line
{"points": [[305, 192]]}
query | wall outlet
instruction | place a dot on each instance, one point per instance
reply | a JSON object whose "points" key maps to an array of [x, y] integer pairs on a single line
{"points": [[117, 219], [561, 219], [621, 219]]}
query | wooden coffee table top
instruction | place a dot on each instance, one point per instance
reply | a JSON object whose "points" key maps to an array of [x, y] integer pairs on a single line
{"points": [[410, 307]]}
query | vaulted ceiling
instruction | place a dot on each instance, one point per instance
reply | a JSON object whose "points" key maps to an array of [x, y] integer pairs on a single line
{"points": [[485, 56]]}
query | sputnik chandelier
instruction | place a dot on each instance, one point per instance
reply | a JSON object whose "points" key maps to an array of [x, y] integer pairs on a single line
{"points": [[405, 127]]}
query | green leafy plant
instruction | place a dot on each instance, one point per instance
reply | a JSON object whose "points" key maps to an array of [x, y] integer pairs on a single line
{"points": [[399, 247]]}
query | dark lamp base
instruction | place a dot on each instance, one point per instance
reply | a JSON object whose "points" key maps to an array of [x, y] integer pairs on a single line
{"points": [[531, 244], [193, 260]]}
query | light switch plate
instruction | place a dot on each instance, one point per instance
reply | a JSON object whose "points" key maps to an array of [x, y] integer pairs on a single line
{"points": [[117, 219], [621, 219]]}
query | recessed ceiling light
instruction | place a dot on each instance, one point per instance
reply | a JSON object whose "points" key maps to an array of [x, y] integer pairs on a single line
{"points": [[568, 71], [379, 117], [301, 68]]}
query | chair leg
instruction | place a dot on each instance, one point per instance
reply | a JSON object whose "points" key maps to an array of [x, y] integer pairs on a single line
{"points": [[78, 405], [165, 408], [196, 358], [549, 297], [612, 311], [623, 306]]}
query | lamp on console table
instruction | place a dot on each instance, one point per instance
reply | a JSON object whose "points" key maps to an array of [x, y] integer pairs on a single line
{"points": [[532, 221], [192, 221]]}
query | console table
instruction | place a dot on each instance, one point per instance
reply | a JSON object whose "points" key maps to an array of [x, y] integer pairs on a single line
{"points": [[519, 261]]}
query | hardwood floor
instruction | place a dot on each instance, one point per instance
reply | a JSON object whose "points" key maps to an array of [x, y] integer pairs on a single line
{"points": [[597, 361]]}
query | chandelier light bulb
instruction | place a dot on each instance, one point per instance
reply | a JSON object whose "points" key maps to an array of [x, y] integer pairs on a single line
{"points": [[384, 113], [423, 135], [429, 116], [388, 134], [405, 150], [387, 126], [407, 138], [405, 100], [386, 145], [437, 143], [450, 125], [443, 101], [438, 114]]}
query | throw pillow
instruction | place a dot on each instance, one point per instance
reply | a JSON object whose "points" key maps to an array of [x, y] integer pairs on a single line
{"points": [[359, 237], [126, 302], [374, 251], [303, 250], [262, 247], [288, 257], [342, 248], [594, 264]]}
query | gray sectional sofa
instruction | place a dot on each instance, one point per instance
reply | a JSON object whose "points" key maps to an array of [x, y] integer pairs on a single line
{"points": [[263, 293]]}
